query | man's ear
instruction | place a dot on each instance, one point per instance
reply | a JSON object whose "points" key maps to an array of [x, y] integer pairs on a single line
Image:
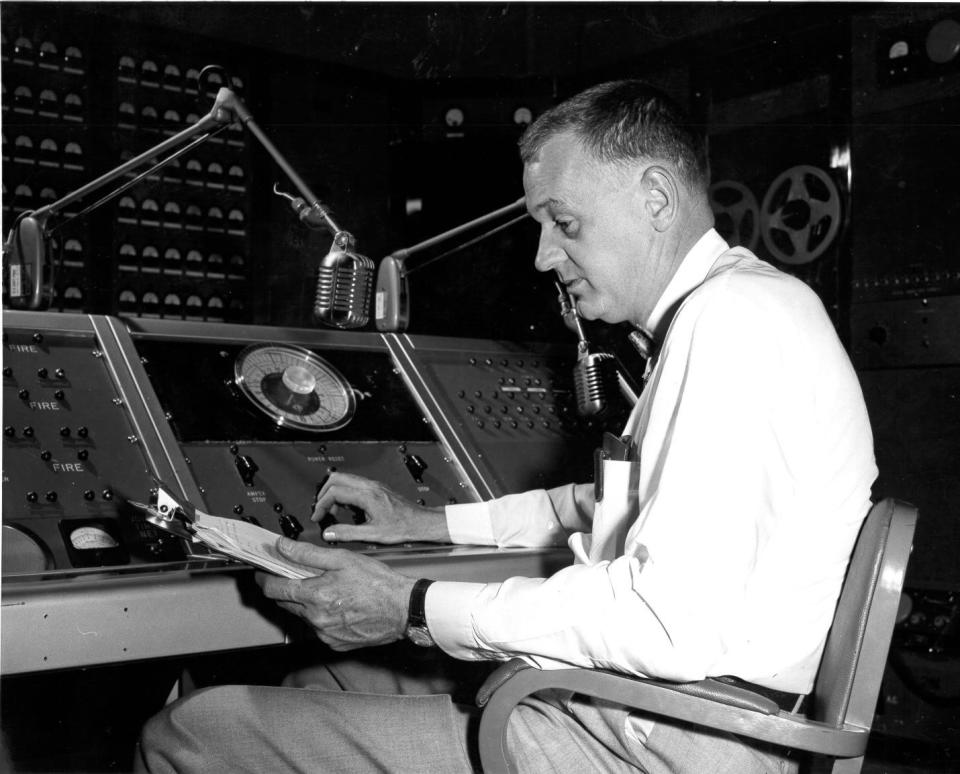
{"points": [[661, 196]]}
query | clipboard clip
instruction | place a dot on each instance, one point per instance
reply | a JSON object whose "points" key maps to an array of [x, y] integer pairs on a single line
{"points": [[170, 513], [613, 447]]}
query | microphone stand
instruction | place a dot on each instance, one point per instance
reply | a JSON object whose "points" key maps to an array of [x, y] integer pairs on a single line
{"points": [[393, 287], [27, 247]]}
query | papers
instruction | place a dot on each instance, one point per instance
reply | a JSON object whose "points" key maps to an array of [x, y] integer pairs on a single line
{"points": [[247, 542], [236, 539]]}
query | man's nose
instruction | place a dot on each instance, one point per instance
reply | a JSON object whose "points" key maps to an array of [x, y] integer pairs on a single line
{"points": [[549, 256]]}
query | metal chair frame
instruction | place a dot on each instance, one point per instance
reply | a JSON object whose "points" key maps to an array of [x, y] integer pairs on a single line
{"points": [[844, 698]]}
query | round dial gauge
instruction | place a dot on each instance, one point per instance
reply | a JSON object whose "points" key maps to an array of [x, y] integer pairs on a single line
{"points": [[294, 387]]}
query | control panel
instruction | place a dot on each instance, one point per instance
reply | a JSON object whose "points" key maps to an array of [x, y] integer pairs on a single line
{"points": [[73, 455], [247, 422], [509, 410], [905, 86], [907, 332], [917, 51], [261, 424]]}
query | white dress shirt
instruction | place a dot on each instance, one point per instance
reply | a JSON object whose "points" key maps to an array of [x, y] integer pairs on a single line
{"points": [[723, 550]]}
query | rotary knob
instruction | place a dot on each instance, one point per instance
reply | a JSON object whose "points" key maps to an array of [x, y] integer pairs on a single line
{"points": [[943, 41]]}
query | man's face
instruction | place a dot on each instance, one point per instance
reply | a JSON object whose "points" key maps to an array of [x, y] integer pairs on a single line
{"points": [[592, 230]]}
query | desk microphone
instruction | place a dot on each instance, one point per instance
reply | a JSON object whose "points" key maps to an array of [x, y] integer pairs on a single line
{"points": [[344, 277], [344, 281]]}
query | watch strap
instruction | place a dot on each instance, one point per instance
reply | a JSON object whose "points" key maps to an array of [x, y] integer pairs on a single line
{"points": [[417, 609]]}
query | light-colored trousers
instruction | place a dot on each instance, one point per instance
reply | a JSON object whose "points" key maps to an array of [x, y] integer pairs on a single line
{"points": [[363, 715]]}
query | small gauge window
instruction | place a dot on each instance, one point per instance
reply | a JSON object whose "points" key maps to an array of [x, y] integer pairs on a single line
{"points": [[522, 116], [91, 538], [453, 117], [294, 387]]}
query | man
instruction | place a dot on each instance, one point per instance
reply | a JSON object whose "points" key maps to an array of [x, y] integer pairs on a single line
{"points": [[718, 549]]}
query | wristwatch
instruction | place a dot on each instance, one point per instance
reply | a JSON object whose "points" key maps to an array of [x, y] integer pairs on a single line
{"points": [[417, 631]]}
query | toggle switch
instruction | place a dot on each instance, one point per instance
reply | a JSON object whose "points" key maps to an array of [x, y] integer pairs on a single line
{"points": [[246, 467], [290, 526], [416, 466]]}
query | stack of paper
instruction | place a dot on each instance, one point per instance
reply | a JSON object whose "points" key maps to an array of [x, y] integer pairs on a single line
{"points": [[248, 543]]}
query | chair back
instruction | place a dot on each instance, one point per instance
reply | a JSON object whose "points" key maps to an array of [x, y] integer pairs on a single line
{"points": [[855, 654]]}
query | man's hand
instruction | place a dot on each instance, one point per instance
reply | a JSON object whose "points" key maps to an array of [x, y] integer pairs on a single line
{"points": [[352, 602], [390, 518]]}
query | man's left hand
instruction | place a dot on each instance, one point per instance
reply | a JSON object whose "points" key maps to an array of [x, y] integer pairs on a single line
{"points": [[353, 601]]}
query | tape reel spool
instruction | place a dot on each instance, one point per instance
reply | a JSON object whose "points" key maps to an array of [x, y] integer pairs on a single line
{"points": [[737, 213], [800, 215]]}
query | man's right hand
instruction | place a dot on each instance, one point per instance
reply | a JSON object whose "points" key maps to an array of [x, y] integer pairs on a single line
{"points": [[390, 518]]}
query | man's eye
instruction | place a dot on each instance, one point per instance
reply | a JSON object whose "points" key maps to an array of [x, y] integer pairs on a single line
{"points": [[566, 226]]}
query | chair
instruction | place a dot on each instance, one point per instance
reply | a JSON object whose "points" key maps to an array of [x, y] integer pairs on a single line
{"points": [[841, 707]]}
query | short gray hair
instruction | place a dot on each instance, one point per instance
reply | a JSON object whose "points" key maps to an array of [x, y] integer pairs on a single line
{"points": [[622, 121]]}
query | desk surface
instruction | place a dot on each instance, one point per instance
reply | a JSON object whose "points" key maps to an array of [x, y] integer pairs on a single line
{"points": [[62, 624]]}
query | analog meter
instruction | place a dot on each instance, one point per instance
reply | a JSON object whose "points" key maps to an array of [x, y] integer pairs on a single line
{"points": [[294, 387]]}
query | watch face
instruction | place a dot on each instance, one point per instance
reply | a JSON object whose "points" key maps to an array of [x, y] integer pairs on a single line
{"points": [[420, 635]]}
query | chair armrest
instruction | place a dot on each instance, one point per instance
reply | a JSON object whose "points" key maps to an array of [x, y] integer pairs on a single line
{"points": [[714, 690], [498, 677], [716, 705]]}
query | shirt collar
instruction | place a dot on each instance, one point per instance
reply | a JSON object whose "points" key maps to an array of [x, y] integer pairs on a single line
{"points": [[690, 273]]}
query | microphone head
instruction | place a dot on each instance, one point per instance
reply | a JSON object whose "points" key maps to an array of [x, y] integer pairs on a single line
{"points": [[344, 280], [392, 297], [594, 377], [27, 268]]}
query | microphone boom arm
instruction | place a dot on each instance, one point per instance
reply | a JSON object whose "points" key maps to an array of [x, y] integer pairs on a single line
{"points": [[393, 287], [309, 209], [405, 252], [27, 244]]}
